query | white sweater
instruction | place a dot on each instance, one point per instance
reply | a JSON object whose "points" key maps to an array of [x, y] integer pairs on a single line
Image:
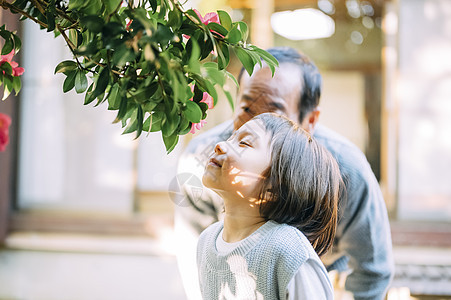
{"points": [[275, 262]]}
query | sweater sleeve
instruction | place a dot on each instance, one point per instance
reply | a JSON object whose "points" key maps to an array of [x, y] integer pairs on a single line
{"points": [[310, 282]]}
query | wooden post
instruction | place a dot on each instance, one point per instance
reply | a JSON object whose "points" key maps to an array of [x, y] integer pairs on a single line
{"points": [[261, 33]]}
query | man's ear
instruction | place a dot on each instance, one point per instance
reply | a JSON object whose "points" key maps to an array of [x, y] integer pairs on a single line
{"points": [[311, 119]]}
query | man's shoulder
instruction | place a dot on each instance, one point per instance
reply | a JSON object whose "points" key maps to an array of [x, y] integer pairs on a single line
{"points": [[347, 154]]}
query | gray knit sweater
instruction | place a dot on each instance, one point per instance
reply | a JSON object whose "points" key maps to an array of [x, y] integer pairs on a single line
{"points": [[259, 268]]}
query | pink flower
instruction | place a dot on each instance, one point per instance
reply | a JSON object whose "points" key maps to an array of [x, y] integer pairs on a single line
{"points": [[17, 71], [5, 121], [210, 17], [208, 100], [197, 126], [129, 23]]}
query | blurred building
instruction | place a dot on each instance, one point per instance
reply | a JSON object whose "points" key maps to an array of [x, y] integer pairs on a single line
{"points": [[87, 213]]}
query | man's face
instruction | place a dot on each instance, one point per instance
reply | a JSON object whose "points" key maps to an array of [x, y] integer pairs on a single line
{"points": [[262, 93]]}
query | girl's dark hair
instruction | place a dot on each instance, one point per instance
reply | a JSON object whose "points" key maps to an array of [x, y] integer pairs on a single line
{"points": [[301, 186]]}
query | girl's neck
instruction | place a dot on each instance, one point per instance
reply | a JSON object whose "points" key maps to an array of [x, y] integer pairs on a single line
{"points": [[240, 222]]}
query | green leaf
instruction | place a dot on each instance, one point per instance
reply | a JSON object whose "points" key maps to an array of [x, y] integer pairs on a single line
{"points": [[140, 14], [193, 62], [92, 7], [192, 112], [153, 4], [50, 20], [217, 28], [81, 83], [193, 14], [8, 87], [234, 35], [174, 18], [156, 119], [17, 43], [213, 73], [163, 10], [231, 77], [102, 82], [243, 28], [152, 89], [88, 96], [149, 106], [203, 107], [69, 82], [92, 23], [112, 29], [122, 109], [245, 59], [170, 142], [76, 4], [225, 19], [17, 84], [129, 114], [185, 92], [5, 34], [139, 120], [169, 125], [255, 57], [224, 59], [265, 55], [163, 34], [8, 46], [6, 68], [122, 55], [132, 124], [114, 100], [270, 60], [65, 66], [111, 5], [75, 37], [211, 90], [136, 121], [230, 99], [184, 126]]}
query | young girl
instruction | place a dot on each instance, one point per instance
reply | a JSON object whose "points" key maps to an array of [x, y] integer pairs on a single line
{"points": [[280, 191]]}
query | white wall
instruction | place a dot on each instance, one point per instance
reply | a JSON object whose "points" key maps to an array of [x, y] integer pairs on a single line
{"points": [[424, 99], [343, 105]]}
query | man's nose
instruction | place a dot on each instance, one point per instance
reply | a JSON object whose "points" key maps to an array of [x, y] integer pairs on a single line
{"points": [[220, 148]]}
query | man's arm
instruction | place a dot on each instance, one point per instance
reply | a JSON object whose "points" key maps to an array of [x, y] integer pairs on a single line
{"points": [[363, 239]]}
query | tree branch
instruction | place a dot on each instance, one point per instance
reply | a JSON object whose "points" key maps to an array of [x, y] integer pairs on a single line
{"points": [[11, 7], [38, 6]]}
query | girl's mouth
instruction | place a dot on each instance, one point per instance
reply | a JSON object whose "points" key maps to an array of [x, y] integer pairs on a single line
{"points": [[215, 163]]}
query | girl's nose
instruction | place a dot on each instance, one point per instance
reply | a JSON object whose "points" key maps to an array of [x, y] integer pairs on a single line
{"points": [[220, 148]]}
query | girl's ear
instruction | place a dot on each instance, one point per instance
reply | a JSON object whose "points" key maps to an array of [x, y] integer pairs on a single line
{"points": [[268, 196]]}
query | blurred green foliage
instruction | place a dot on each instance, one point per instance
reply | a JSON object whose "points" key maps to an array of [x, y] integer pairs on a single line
{"points": [[147, 58]]}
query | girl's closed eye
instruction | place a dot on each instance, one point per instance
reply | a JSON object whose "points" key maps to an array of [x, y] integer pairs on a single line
{"points": [[246, 109], [245, 143]]}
